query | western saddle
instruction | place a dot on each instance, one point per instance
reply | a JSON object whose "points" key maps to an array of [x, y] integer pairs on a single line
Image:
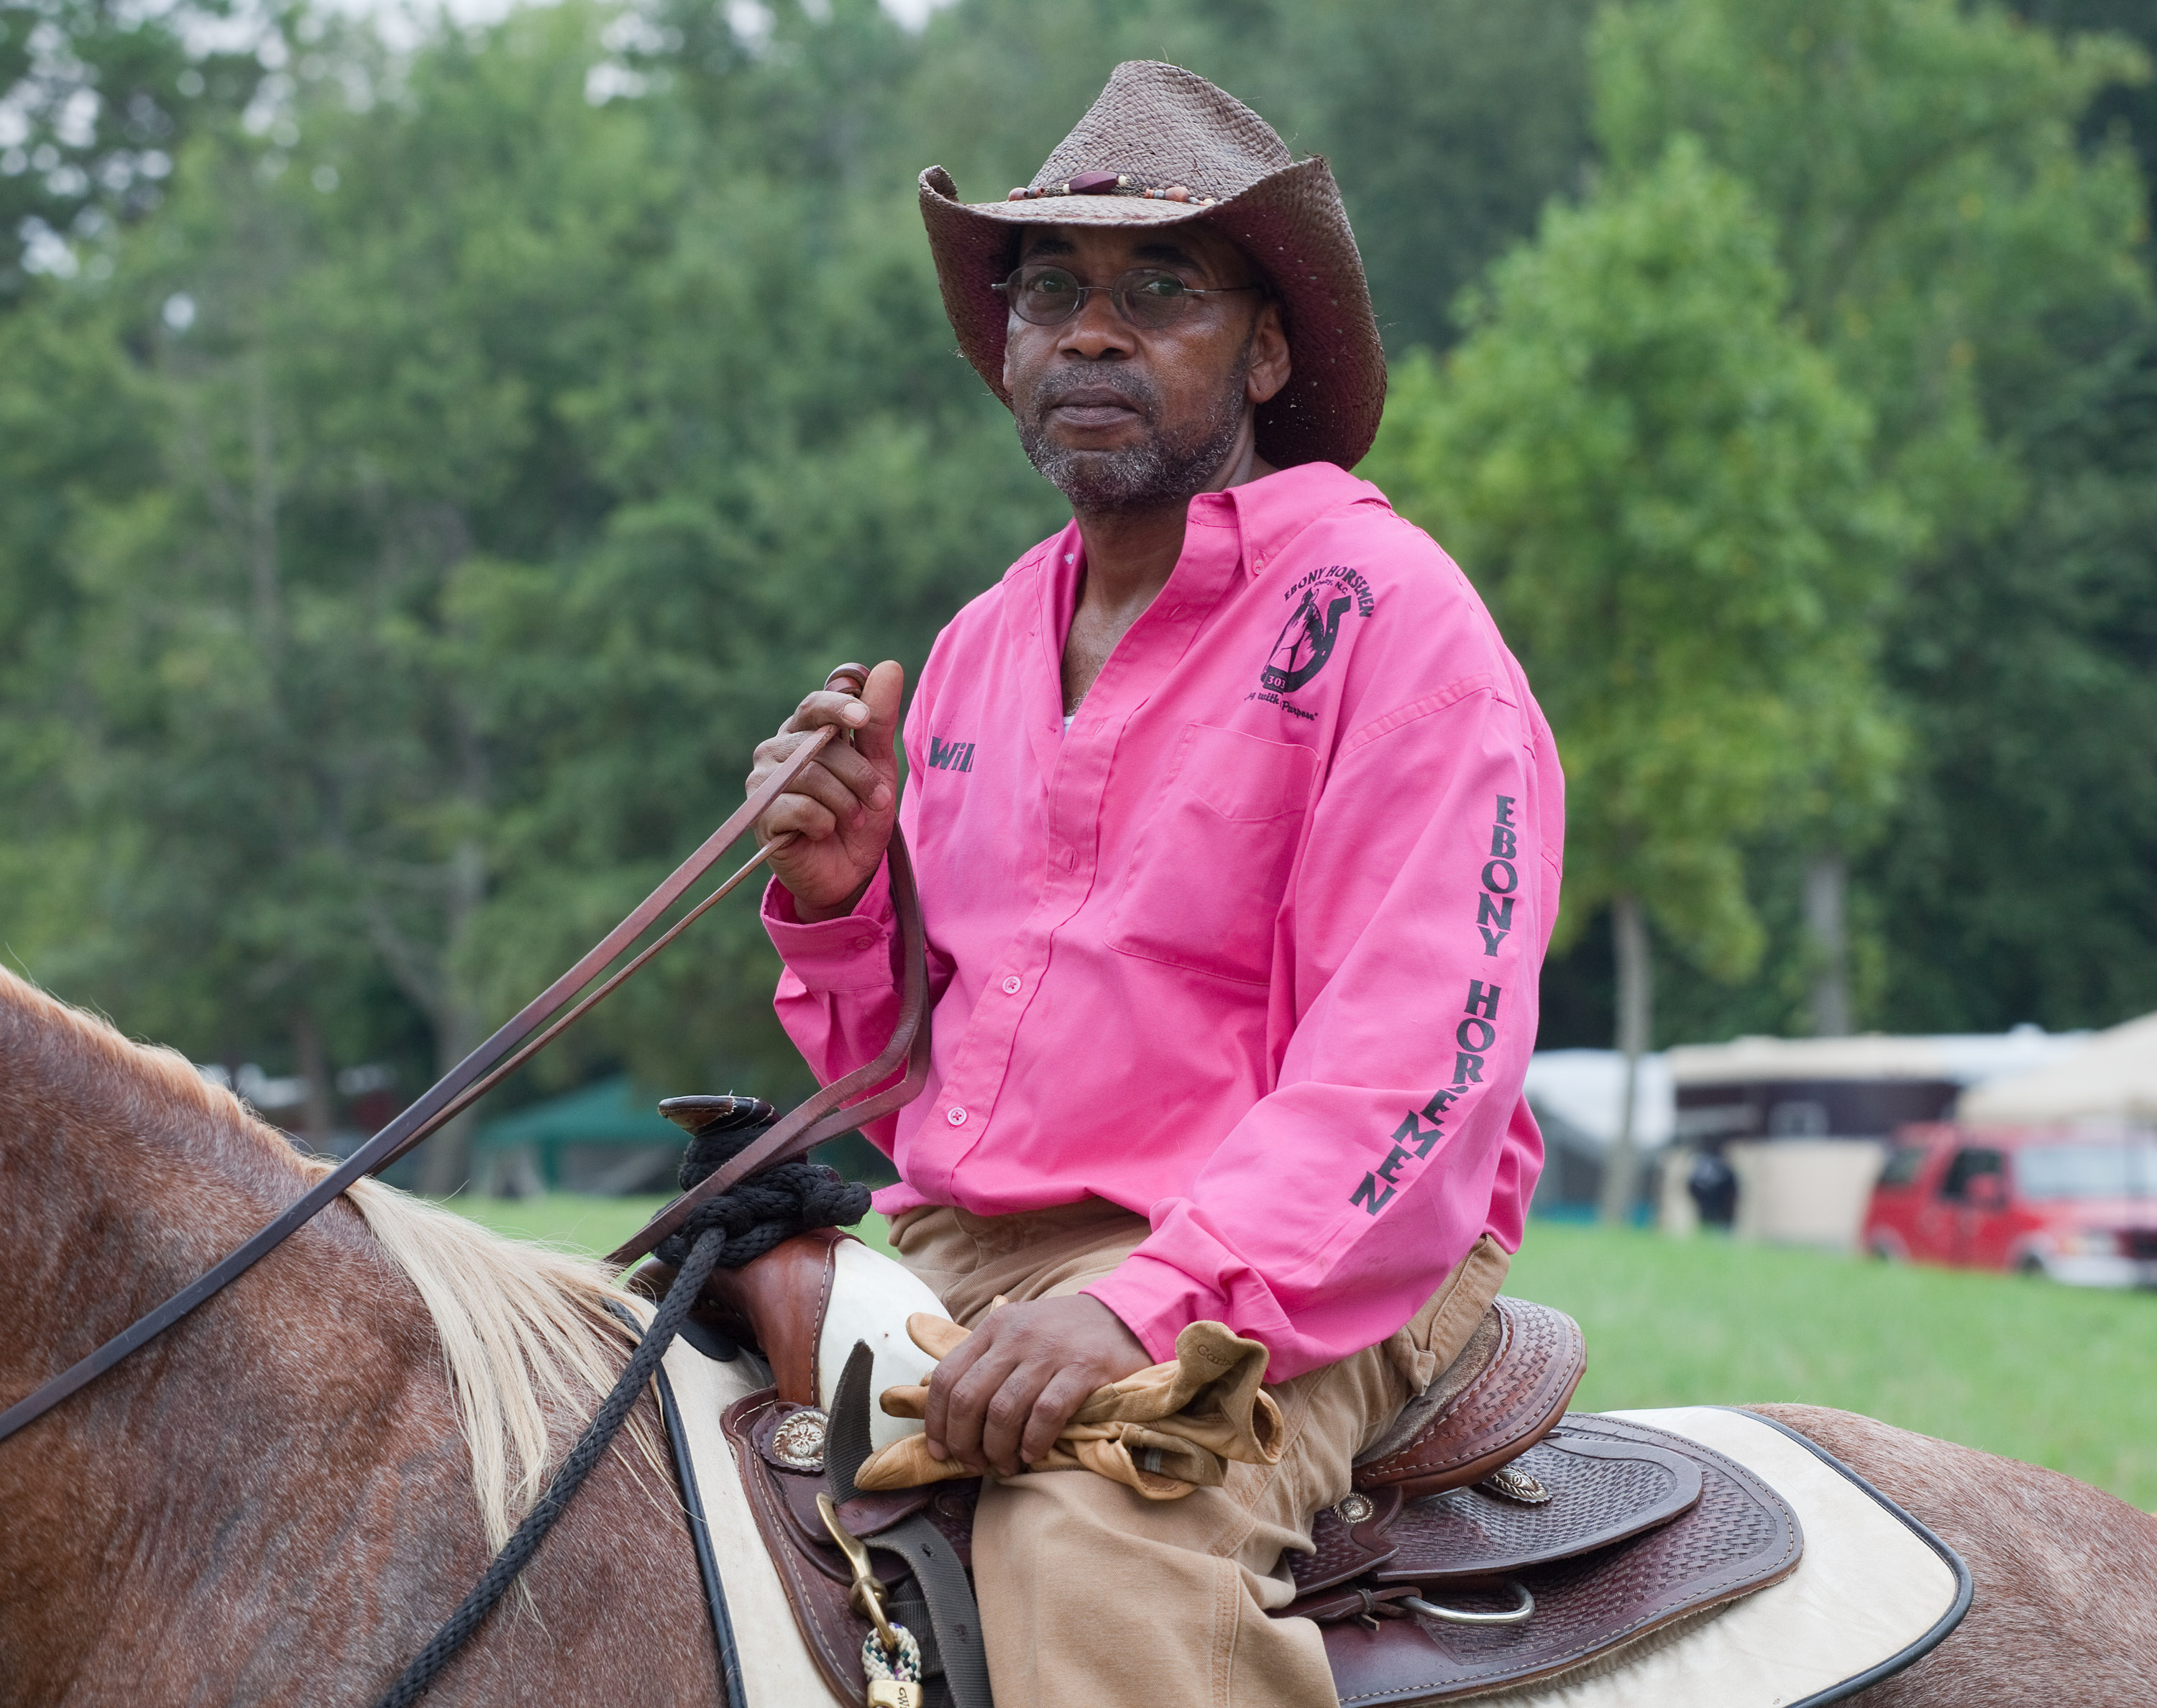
{"points": [[1489, 1539]]}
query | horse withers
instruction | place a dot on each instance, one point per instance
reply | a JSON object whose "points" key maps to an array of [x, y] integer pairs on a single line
{"points": [[280, 1499]]}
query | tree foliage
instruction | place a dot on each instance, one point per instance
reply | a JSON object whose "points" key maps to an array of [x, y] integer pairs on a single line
{"points": [[96, 97], [1946, 242], [1665, 496], [1969, 254], [425, 471]]}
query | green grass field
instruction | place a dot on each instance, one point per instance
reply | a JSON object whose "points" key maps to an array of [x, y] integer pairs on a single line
{"points": [[2057, 1375]]}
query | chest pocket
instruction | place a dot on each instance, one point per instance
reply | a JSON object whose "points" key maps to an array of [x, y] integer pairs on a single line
{"points": [[1210, 863]]}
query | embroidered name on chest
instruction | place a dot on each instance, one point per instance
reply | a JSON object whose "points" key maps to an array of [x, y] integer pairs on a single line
{"points": [[951, 755]]}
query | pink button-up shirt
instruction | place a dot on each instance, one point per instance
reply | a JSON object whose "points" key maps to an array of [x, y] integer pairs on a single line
{"points": [[1251, 948]]}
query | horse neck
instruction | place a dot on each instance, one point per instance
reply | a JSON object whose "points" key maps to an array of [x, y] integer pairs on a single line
{"points": [[216, 1461], [122, 1180]]}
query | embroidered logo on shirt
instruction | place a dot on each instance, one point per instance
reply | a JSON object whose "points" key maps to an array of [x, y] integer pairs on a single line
{"points": [[951, 755], [1493, 908], [1411, 1140], [1475, 1035], [1322, 599]]}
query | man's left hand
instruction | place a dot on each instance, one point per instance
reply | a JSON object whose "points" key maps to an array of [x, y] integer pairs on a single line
{"points": [[1003, 1396]]}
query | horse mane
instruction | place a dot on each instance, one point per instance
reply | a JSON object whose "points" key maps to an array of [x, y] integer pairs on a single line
{"points": [[529, 1334], [526, 1333]]}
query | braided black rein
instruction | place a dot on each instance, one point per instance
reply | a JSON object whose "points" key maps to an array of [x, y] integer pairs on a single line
{"points": [[732, 1229]]}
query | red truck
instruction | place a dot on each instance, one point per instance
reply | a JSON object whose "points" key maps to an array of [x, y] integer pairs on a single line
{"points": [[2078, 1204]]}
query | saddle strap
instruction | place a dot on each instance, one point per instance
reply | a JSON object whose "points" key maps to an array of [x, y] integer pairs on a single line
{"points": [[953, 1618], [735, 1690]]}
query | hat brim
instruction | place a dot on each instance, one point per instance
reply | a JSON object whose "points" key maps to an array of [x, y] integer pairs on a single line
{"points": [[1290, 224]]}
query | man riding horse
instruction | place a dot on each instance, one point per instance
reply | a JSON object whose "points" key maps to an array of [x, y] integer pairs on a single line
{"points": [[1238, 837]]}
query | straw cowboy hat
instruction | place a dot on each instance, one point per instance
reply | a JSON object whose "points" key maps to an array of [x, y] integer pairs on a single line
{"points": [[1163, 147]]}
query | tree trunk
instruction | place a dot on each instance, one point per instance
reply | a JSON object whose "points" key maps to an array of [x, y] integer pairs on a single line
{"points": [[316, 1124], [1827, 879], [445, 1160], [1636, 1020]]}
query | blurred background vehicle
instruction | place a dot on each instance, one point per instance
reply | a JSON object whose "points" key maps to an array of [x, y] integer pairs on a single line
{"points": [[2076, 1202]]}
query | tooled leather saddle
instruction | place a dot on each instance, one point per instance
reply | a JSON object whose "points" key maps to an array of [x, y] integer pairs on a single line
{"points": [[1490, 1539]]}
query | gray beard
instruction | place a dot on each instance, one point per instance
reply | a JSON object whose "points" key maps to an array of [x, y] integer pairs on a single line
{"points": [[1163, 471]]}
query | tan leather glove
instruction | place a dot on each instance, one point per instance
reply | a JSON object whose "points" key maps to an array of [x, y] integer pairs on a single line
{"points": [[1164, 1430]]}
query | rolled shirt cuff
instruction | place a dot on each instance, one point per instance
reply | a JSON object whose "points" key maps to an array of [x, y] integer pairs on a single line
{"points": [[1156, 1301], [849, 953]]}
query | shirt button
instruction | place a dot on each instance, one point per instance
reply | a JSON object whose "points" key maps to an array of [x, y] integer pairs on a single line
{"points": [[864, 943], [955, 1116], [1011, 985]]}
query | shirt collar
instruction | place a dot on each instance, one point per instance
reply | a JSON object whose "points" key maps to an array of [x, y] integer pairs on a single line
{"points": [[1268, 514], [1272, 512]]}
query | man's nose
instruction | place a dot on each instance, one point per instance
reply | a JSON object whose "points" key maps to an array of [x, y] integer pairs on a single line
{"points": [[1096, 331]]}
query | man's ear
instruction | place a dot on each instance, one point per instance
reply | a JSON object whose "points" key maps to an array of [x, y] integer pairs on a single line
{"points": [[1270, 362]]}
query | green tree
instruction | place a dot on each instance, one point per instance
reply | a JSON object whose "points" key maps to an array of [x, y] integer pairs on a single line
{"points": [[96, 98], [1971, 272], [1663, 492], [2128, 109], [512, 456]]}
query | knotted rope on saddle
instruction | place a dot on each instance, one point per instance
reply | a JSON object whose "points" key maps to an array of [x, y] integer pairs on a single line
{"points": [[733, 1228], [764, 1209]]}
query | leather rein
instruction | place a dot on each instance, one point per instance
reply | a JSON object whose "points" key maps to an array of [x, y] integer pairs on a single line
{"points": [[823, 1116]]}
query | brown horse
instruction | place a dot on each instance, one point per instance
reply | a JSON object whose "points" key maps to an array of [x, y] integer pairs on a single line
{"points": [[280, 1500]]}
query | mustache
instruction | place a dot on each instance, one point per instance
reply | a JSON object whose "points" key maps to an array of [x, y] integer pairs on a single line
{"points": [[1132, 388]]}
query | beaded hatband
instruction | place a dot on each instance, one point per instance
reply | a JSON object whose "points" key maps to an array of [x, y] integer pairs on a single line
{"points": [[1110, 184]]}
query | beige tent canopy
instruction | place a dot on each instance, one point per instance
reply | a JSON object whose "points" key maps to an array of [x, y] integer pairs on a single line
{"points": [[2114, 1074], [1967, 1058]]}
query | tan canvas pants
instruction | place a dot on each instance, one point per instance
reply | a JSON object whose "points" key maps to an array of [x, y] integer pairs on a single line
{"points": [[1092, 1594]]}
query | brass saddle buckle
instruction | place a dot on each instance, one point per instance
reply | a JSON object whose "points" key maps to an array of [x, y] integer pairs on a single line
{"points": [[866, 1595], [901, 1653]]}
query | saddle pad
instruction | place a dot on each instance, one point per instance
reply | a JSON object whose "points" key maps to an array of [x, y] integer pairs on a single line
{"points": [[777, 1670], [1875, 1592]]}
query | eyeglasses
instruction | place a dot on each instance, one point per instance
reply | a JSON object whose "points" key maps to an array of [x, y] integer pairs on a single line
{"points": [[1146, 297]]}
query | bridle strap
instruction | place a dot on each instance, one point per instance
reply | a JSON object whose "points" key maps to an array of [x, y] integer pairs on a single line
{"points": [[819, 1118]]}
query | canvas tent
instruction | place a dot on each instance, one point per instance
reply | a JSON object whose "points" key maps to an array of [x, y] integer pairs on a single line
{"points": [[1576, 1097], [606, 1138], [2114, 1074]]}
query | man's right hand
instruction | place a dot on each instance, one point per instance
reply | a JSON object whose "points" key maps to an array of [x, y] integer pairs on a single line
{"points": [[841, 809]]}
